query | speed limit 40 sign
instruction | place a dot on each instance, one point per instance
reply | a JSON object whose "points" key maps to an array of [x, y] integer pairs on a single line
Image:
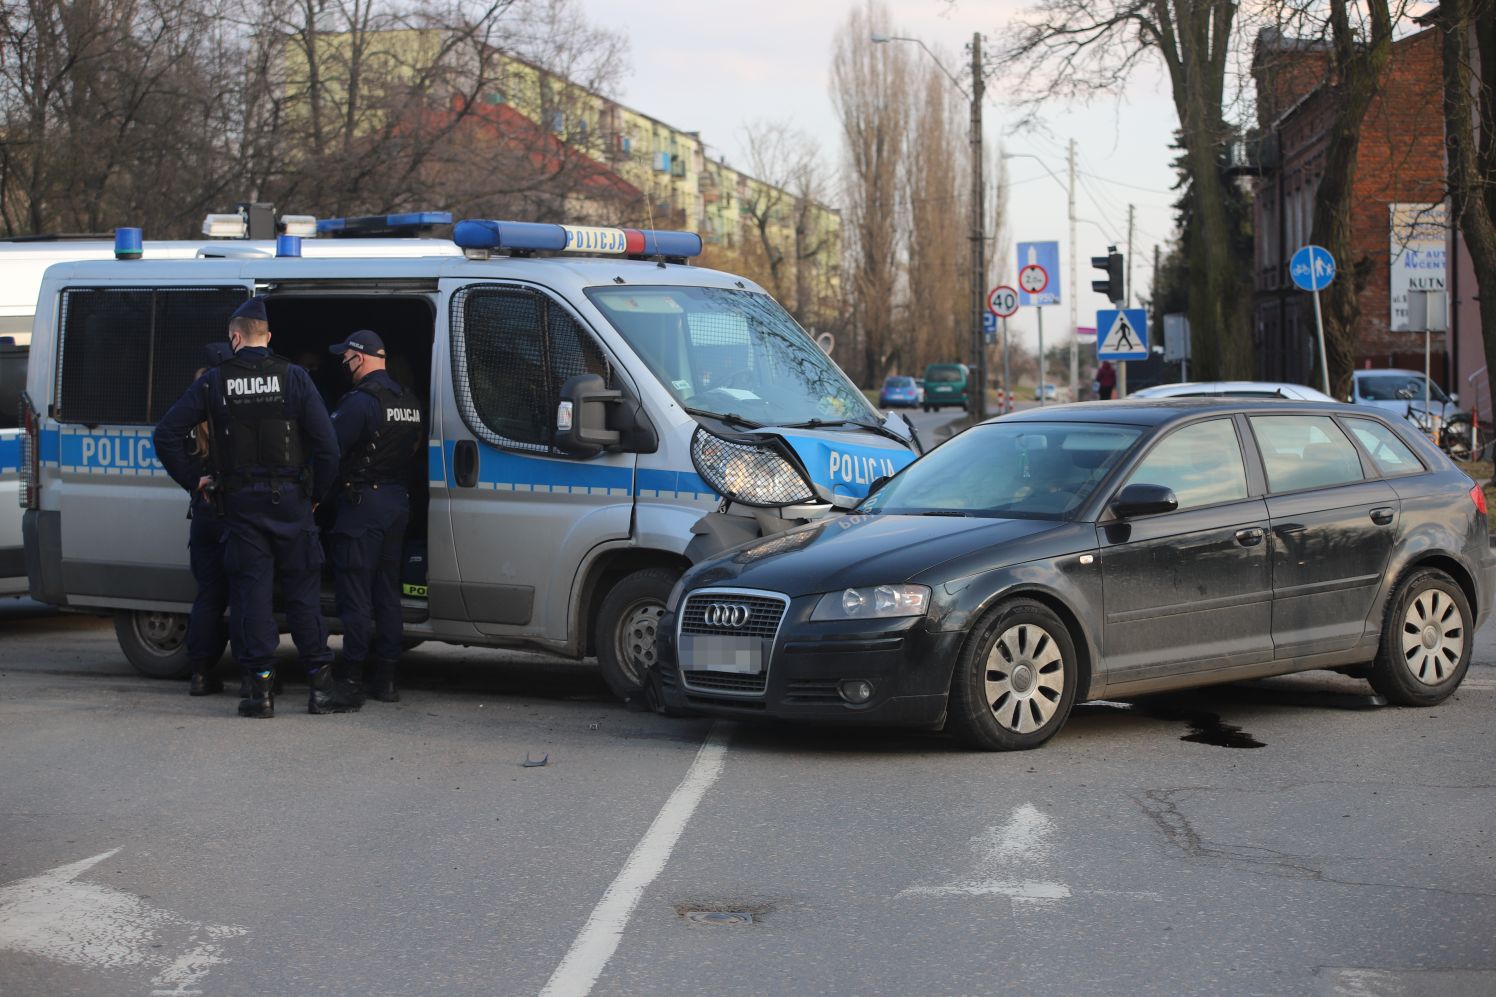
{"points": [[1002, 301]]}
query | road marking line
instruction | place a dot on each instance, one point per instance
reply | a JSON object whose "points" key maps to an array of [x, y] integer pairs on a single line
{"points": [[599, 937]]}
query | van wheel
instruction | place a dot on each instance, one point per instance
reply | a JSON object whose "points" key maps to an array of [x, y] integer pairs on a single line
{"points": [[1426, 641], [155, 642], [626, 626], [1015, 680]]}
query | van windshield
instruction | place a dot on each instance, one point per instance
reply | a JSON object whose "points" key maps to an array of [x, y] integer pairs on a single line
{"points": [[732, 353]]}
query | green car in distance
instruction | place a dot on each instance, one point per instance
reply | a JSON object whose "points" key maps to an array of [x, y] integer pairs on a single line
{"points": [[945, 384]]}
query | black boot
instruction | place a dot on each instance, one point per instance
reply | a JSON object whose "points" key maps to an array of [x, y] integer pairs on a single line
{"points": [[382, 682], [325, 695], [259, 698], [348, 677], [204, 682]]}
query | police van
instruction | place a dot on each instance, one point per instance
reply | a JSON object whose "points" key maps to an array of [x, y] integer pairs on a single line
{"points": [[24, 262], [601, 414]]}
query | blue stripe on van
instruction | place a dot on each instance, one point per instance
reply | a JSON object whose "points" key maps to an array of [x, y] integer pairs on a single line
{"points": [[120, 451], [521, 472], [674, 482], [49, 446], [10, 454]]}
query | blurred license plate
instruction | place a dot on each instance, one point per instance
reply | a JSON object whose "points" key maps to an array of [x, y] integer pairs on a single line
{"points": [[741, 655]]}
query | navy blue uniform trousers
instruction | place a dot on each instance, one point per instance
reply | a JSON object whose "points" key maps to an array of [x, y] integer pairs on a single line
{"points": [[273, 539], [368, 543], [206, 629]]}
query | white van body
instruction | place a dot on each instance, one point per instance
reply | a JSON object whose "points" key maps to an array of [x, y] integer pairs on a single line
{"points": [[524, 540]]}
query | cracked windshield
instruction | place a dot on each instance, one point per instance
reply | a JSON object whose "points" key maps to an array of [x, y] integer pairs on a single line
{"points": [[733, 354]]}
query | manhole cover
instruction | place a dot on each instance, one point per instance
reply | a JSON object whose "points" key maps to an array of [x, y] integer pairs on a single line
{"points": [[719, 917]]}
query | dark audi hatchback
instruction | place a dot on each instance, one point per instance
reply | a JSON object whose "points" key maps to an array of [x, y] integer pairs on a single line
{"points": [[1098, 550]]}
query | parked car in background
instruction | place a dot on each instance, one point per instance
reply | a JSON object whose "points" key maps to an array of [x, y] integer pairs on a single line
{"points": [[945, 384], [1400, 393], [899, 391], [1066, 554], [1233, 389], [1047, 392]]}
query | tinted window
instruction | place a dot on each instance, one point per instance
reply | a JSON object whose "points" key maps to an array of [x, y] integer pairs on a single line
{"points": [[1389, 453], [512, 350], [1304, 451], [1202, 463], [944, 375], [898, 382], [128, 353], [1397, 387], [1019, 470]]}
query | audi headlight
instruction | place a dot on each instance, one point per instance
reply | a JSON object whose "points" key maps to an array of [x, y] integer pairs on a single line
{"points": [[752, 475], [880, 602]]}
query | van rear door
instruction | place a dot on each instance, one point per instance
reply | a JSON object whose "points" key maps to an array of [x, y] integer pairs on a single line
{"points": [[522, 515]]}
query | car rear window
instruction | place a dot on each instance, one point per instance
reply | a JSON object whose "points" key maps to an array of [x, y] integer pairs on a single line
{"points": [[1305, 451], [1390, 454]]}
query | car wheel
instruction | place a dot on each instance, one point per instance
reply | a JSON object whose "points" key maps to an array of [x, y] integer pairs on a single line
{"points": [[626, 627], [1015, 681], [155, 643], [1426, 641]]}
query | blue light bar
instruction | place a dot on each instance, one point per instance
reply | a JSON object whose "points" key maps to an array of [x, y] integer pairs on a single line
{"points": [[287, 245], [127, 244], [529, 237], [383, 224]]}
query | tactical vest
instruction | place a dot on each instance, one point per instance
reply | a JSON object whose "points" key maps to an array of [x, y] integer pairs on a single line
{"points": [[384, 458], [255, 435]]}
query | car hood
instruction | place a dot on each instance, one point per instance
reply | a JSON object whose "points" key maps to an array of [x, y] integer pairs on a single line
{"points": [[853, 550]]}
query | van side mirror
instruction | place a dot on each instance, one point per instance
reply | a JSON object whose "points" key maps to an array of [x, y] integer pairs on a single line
{"points": [[1144, 500], [591, 418]]}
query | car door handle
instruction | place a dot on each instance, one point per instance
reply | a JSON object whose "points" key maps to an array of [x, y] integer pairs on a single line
{"points": [[465, 463], [1289, 529], [1382, 516], [1250, 537]]}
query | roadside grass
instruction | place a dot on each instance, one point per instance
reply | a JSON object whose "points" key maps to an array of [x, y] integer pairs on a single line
{"points": [[1482, 471]]}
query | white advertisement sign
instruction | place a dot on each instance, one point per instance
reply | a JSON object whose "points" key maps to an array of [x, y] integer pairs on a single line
{"points": [[1419, 245]]}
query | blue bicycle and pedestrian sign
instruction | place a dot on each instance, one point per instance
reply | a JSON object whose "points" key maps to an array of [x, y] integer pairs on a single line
{"points": [[1312, 268]]}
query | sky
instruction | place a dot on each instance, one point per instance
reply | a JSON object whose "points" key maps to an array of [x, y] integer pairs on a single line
{"points": [[716, 67]]}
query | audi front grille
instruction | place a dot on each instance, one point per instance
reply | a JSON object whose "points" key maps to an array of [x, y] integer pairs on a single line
{"points": [[729, 613]]}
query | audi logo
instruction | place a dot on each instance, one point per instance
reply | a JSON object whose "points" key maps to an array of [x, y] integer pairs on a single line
{"points": [[728, 615]]}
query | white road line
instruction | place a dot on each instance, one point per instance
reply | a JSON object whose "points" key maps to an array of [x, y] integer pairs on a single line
{"points": [[599, 937]]}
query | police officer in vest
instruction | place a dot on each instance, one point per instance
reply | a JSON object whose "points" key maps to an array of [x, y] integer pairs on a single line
{"points": [[274, 455], [380, 430]]}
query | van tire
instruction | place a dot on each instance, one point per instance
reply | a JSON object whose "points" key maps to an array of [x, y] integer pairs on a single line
{"points": [[626, 625], [154, 642]]}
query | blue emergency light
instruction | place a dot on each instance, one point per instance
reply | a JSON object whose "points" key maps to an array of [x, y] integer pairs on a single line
{"points": [[530, 237], [127, 244], [397, 224], [287, 245]]}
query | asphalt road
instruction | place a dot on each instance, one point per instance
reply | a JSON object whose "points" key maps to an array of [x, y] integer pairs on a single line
{"points": [[1251, 839]]}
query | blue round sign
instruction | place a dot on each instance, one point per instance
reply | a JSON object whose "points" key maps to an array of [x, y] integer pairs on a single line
{"points": [[1312, 268]]}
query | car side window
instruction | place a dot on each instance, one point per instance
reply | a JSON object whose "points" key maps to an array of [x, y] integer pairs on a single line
{"points": [[1304, 451], [1202, 463], [1390, 454]]}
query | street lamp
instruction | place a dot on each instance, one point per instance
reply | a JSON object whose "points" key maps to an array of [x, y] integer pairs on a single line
{"points": [[978, 400]]}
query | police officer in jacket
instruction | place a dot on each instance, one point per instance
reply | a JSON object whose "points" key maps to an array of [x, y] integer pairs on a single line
{"points": [[380, 430], [274, 455], [206, 627]]}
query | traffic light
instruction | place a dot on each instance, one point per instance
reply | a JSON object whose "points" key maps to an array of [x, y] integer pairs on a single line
{"points": [[1113, 287]]}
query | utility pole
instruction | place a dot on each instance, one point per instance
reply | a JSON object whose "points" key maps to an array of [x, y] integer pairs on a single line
{"points": [[1126, 303], [1074, 288], [1131, 209], [978, 399]]}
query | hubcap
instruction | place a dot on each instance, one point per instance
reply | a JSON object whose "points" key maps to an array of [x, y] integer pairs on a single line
{"points": [[163, 633], [1433, 639], [1025, 678], [636, 638]]}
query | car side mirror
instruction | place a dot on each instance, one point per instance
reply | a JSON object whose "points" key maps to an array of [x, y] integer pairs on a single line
{"points": [[1144, 500], [591, 418]]}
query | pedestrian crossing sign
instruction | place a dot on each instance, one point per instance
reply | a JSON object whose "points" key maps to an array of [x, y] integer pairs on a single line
{"points": [[1122, 334]]}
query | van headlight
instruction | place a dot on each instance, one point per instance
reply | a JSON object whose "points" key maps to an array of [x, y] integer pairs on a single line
{"points": [[752, 475], [878, 602]]}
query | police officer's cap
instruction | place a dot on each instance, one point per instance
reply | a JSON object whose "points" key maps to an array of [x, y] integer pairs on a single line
{"points": [[216, 353], [254, 308], [364, 341]]}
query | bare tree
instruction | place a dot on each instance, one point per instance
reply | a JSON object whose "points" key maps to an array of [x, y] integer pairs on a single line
{"points": [[1078, 49], [936, 186]]}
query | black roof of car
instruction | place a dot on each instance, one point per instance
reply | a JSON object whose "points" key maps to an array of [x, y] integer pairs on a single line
{"points": [[1155, 411]]}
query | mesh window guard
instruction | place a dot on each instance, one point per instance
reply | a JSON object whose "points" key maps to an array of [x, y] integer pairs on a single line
{"points": [[512, 349]]}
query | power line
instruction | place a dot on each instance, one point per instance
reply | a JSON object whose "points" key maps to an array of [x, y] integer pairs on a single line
{"points": [[1130, 186]]}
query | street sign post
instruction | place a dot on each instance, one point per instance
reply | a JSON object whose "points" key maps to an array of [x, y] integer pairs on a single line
{"points": [[1034, 279], [1002, 302], [989, 327], [1046, 256], [1122, 334], [1312, 269]]}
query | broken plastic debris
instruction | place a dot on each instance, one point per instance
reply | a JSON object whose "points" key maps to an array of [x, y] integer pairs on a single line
{"points": [[535, 763]]}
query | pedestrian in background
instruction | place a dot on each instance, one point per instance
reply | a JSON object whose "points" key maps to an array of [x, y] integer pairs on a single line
{"points": [[1106, 380], [274, 455], [380, 430]]}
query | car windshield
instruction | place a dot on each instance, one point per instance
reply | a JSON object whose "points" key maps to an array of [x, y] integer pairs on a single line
{"points": [[732, 353], [1020, 470], [939, 374], [1397, 388]]}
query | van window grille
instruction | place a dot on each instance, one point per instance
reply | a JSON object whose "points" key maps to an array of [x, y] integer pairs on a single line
{"points": [[128, 353], [512, 349]]}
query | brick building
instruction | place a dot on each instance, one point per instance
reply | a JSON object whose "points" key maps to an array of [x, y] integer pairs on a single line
{"points": [[1400, 162]]}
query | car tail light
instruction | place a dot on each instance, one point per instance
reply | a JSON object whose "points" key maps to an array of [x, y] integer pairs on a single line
{"points": [[1478, 496], [29, 494]]}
